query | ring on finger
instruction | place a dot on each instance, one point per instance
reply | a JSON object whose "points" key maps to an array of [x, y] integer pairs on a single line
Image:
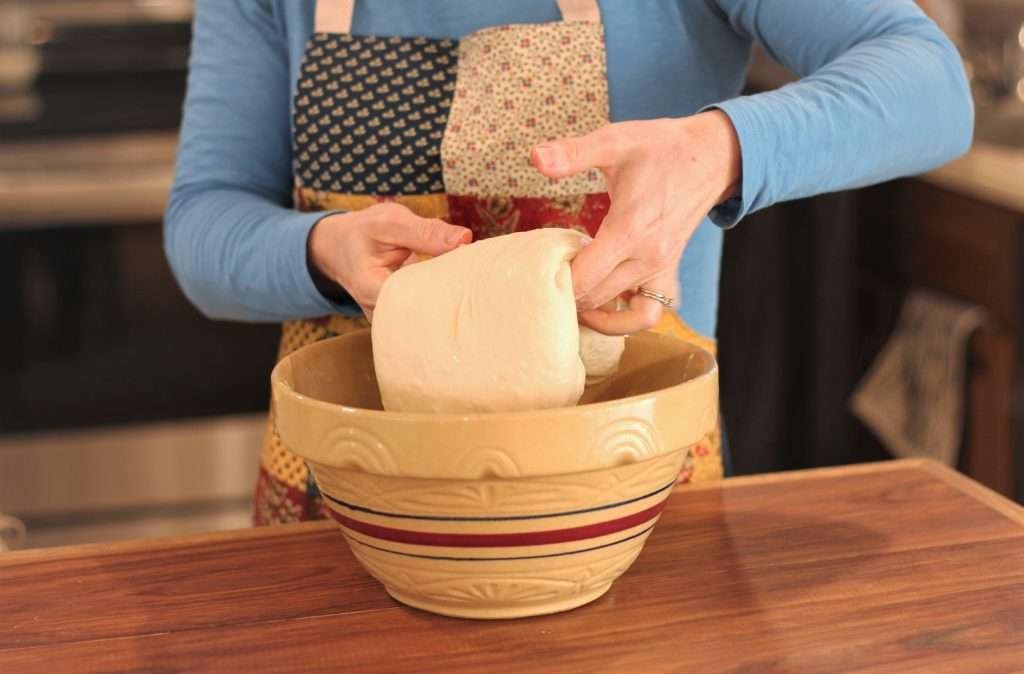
{"points": [[661, 298]]}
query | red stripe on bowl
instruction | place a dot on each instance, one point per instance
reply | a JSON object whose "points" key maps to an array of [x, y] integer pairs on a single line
{"points": [[452, 540]]}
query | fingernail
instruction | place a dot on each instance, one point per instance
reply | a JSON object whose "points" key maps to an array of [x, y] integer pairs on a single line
{"points": [[552, 156], [456, 237]]}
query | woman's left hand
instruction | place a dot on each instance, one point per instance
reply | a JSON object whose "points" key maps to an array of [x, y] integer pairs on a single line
{"points": [[663, 176]]}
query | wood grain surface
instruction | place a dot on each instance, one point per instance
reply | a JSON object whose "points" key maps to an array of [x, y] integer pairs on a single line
{"points": [[894, 567]]}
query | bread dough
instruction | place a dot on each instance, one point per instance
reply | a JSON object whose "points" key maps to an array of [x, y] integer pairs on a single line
{"points": [[488, 327], [600, 354]]}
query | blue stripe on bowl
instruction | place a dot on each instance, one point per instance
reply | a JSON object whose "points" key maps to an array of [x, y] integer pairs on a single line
{"points": [[502, 518]]}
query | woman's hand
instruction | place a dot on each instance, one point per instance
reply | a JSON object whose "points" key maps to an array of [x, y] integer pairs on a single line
{"points": [[359, 250], [663, 176]]}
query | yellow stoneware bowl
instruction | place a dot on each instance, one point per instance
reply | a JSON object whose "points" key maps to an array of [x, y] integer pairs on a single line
{"points": [[497, 515]]}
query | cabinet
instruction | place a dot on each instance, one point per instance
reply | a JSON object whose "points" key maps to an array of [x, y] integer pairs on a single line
{"points": [[919, 235], [811, 290]]}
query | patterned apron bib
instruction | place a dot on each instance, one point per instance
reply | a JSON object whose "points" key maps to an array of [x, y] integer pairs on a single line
{"points": [[444, 127]]}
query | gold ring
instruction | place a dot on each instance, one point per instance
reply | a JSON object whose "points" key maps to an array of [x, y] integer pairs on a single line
{"points": [[656, 296]]}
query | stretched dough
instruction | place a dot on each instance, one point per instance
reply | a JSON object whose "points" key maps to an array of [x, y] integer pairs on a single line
{"points": [[600, 353], [489, 327]]}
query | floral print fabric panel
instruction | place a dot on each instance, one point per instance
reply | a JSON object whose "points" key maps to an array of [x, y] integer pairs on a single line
{"points": [[498, 215], [517, 86]]}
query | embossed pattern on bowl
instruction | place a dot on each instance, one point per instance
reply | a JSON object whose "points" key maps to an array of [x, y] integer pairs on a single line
{"points": [[497, 515]]}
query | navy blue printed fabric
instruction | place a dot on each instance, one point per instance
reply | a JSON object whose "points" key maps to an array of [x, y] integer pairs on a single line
{"points": [[370, 114]]}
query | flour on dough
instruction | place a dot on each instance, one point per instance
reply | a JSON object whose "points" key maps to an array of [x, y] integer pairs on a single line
{"points": [[488, 327]]}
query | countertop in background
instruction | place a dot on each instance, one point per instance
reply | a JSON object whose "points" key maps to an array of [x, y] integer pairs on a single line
{"points": [[990, 173], [114, 179]]}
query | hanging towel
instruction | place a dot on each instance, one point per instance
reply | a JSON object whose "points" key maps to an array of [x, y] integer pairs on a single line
{"points": [[12, 533], [912, 398]]}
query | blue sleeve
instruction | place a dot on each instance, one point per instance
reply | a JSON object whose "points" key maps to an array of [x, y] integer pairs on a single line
{"points": [[236, 248], [882, 94]]}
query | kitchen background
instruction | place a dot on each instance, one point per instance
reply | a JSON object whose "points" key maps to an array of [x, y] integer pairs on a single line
{"points": [[124, 412]]}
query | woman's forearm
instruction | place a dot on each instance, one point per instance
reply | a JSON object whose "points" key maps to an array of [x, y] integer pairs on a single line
{"points": [[238, 256], [236, 248], [883, 95]]}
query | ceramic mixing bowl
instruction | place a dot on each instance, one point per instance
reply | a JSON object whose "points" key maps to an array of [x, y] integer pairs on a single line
{"points": [[497, 515]]}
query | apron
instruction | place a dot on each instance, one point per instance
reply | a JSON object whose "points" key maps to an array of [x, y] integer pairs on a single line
{"points": [[445, 128]]}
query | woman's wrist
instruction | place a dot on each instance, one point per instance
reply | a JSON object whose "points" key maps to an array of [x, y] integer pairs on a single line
{"points": [[714, 131], [319, 246]]}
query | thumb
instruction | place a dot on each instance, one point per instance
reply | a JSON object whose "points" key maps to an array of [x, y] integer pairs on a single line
{"points": [[569, 156], [426, 236]]}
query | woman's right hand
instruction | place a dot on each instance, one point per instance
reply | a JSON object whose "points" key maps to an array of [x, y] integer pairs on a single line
{"points": [[360, 249]]}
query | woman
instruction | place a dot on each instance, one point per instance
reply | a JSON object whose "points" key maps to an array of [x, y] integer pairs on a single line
{"points": [[417, 126]]}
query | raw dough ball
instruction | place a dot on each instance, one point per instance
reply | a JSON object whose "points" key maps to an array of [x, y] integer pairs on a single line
{"points": [[600, 353], [489, 327]]}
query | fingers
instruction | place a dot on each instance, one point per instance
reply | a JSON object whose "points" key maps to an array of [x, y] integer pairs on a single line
{"points": [[365, 288], [624, 255], [385, 237], [600, 257], [642, 316], [592, 264], [626, 276], [398, 226], [568, 156], [412, 259], [642, 313]]}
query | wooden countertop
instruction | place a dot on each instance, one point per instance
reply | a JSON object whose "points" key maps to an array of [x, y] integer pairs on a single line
{"points": [[894, 567]]}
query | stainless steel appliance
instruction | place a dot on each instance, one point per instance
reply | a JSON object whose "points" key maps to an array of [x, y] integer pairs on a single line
{"points": [[119, 403]]}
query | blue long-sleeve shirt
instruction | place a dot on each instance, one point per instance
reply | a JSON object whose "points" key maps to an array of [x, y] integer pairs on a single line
{"points": [[882, 94]]}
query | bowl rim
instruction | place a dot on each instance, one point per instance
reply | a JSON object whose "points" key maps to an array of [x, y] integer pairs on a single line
{"points": [[280, 387]]}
